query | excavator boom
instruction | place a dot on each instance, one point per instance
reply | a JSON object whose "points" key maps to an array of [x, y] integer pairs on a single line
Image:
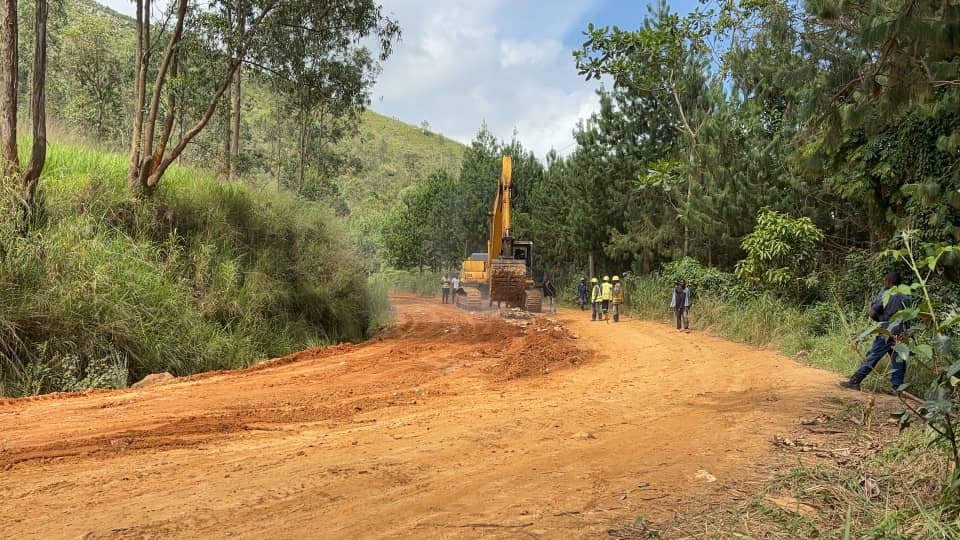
{"points": [[507, 270]]}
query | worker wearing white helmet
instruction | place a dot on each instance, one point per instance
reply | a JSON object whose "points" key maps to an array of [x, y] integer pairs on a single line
{"points": [[606, 290], [616, 298]]}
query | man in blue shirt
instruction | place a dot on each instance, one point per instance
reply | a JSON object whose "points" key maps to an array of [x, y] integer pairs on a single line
{"points": [[883, 344]]}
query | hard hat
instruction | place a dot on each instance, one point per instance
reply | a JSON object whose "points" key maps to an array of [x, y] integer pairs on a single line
{"points": [[616, 278], [583, 279], [606, 278], [593, 280]]}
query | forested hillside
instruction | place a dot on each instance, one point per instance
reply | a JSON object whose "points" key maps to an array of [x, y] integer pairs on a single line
{"points": [[352, 160], [143, 231]]}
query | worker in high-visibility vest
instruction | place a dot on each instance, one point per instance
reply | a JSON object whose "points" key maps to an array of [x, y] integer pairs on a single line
{"points": [[606, 292], [596, 312], [616, 298]]}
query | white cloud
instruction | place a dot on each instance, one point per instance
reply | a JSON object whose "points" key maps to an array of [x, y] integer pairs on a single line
{"points": [[518, 53], [462, 63]]}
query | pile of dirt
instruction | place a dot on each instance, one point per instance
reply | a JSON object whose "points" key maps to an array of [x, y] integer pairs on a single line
{"points": [[544, 348]]}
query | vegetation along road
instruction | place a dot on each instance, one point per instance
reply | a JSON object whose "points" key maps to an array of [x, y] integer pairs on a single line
{"points": [[450, 424]]}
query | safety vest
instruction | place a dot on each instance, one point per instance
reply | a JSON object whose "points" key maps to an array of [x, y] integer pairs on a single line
{"points": [[617, 294], [444, 284], [595, 296], [605, 290]]}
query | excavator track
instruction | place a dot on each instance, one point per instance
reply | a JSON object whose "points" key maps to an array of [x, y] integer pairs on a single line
{"points": [[472, 301], [508, 280], [533, 301]]}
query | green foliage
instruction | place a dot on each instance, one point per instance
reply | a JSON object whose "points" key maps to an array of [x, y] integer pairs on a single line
{"points": [[439, 222], [929, 341], [421, 231], [780, 250], [204, 276], [698, 276], [425, 284]]}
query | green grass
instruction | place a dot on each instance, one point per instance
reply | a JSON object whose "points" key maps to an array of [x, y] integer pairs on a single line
{"points": [[907, 503], [203, 275]]}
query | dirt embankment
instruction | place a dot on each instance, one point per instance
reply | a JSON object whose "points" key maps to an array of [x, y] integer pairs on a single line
{"points": [[451, 425]]}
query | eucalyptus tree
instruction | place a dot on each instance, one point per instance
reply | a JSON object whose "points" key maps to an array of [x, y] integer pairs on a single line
{"points": [[259, 34], [9, 80]]}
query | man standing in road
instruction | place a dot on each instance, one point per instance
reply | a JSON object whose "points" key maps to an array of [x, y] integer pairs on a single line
{"points": [[454, 288], [606, 291], [550, 293], [680, 304], [616, 298], [582, 294], [882, 312], [445, 288], [596, 308]]}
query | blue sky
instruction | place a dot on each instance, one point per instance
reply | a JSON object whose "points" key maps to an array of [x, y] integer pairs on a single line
{"points": [[505, 63]]}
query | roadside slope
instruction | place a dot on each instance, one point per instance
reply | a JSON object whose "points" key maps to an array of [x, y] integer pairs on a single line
{"points": [[425, 432]]}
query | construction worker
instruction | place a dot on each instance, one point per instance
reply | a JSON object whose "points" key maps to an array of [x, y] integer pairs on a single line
{"points": [[445, 289], [582, 294], [616, 298], [550, 294], [596, 309], [606, 292], [454, 289], [884, 313]]}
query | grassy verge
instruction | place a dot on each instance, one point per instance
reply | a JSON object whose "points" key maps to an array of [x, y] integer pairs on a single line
{"points": [[880, 484], [203, 275]]}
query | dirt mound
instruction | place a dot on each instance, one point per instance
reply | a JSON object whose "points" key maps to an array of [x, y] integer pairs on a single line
{"points": [[544, 348], [153, 379]]}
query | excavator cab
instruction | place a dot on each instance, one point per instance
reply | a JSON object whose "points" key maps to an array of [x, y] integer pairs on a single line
{"points": [[523, 251]]}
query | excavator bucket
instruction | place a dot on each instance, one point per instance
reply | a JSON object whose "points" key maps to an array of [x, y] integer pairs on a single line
{"points": [[508, 280]]}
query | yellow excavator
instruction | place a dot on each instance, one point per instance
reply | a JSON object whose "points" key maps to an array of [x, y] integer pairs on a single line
{"points": [[505, 272]]}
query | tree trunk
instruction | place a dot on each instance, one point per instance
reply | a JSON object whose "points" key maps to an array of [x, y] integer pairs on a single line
{"points": [[38, 106], [279, 131], [139, 91], [235, 120], [235, 127], [227, 136], [8, 88], [149, 160], [302, 162]]}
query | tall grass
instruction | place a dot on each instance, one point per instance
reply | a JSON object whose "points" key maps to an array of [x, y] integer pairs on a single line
{"points": [[425, 284], [203, 275]]}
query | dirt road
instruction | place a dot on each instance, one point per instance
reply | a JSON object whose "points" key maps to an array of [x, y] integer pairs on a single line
{"points": [[430, 431]]}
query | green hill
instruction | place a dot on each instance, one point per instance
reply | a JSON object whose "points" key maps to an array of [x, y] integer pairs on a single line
{"points": [[394, 155]]}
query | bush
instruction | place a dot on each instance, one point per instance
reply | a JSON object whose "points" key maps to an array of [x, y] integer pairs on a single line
{"points": [[204, 275], [425, 284]]}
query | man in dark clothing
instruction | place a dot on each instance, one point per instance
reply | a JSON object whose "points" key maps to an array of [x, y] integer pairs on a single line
{"points": [[550, 293], [883, 344], [680, 304], [582, 294]]}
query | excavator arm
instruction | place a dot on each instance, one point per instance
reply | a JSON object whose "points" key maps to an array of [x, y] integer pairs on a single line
{"points": [[500, 217], [507, 268]]}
